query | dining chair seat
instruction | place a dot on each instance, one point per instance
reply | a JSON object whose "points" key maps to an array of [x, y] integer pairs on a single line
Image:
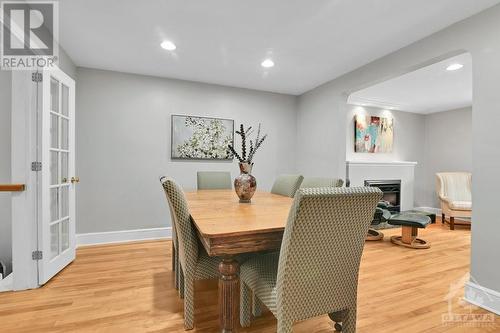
{"points": [[260, 274], [206, 267]]}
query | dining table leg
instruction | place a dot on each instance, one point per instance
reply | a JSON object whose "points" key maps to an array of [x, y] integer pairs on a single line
{"points": [[229, 295]]}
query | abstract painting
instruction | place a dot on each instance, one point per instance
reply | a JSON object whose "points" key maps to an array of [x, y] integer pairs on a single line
{"points": [[201, 138], [373, 134]]}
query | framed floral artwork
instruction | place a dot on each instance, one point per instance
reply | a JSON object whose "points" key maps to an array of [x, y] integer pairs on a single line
{"points": [[201, 138]]}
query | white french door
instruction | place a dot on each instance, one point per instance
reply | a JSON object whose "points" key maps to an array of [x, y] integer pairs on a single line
{"points": [[56, 221]]}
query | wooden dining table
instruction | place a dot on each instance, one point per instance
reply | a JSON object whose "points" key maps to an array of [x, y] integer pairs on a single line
{"points": [[228, 228]]}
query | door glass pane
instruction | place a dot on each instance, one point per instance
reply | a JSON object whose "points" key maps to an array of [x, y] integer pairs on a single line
{"points": [[54, 240], [54, 131], [54, 172], [64, 168], [64, 133], [64, 235], [54, 95], [65, 100], [64, 201], [54, 204]]}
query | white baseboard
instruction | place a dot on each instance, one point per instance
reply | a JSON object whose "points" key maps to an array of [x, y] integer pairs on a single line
{"points": [[121, 236], [483, 297], [434, 210]]}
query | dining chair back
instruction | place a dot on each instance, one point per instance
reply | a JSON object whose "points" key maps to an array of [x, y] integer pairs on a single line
{"points": [[287, 184], [175, 243], [214, 180], [188, 244], [316, 271], [321, 251], [195, 264], [311, 182]]}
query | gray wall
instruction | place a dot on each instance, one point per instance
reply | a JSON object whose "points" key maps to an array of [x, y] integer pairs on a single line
{"points": [[66, 64], [322, 113], [409, 129], [5, 144], [321, 133], [448, 142], [123, 143]]}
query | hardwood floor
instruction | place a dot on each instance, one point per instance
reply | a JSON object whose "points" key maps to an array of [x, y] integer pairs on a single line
{"points": [[129, 288]]}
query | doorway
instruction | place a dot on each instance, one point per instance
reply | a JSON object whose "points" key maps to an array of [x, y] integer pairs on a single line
{"points": [[43, 158], [56, 216], [431, 116]]}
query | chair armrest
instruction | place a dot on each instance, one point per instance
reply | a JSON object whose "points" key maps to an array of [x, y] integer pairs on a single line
{"points": [[445, 199]]}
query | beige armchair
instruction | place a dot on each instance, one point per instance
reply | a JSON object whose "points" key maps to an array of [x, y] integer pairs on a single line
{"points": [[454, 192]]}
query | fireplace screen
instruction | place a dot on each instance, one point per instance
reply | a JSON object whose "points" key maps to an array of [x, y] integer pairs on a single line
{"points": [[391, 190]]}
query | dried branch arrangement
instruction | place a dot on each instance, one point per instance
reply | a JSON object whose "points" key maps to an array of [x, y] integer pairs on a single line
{"points": [[254, 145]]}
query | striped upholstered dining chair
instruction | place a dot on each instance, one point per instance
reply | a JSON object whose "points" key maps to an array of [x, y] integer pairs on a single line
{"points": [[287, 185], [195, 264], [175, 247], [214, 180], [316, 271], [311, 182]]}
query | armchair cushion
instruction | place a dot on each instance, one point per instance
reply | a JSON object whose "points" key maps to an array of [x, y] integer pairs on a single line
{"points": [[460, 205]]}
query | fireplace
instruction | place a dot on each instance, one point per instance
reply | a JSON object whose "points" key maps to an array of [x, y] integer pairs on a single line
{"points": [[391, 190]]}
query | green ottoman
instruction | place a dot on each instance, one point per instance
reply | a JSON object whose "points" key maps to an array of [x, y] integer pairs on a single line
{"points": [[431, 215], [410, 222]]}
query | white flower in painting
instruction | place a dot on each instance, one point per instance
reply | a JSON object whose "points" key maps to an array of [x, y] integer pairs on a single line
{"points": [[209, 140]]}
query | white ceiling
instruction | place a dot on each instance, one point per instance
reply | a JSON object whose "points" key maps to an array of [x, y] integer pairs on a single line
{"points": [[427, 90], [224, 41]]}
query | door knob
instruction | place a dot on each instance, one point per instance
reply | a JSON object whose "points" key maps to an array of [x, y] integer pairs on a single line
{"points": [[75, 180]]}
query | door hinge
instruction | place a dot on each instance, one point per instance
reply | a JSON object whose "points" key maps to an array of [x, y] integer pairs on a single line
{"points": [[36, 166], [36, 77], [37, 255]]}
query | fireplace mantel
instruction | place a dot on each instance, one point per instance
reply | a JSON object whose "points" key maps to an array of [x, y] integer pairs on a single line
{"points": [[391, 163], [359, 171]]}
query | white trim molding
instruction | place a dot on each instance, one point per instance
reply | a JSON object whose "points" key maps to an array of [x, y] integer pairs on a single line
{"points": [[381, 163], [483, 297], [122, 236]]}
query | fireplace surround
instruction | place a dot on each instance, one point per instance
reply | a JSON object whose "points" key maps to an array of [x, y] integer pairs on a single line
{"points": [[359, 171]]}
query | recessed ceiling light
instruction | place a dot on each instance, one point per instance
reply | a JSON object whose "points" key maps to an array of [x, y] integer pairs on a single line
{"points": [[168, 45], [268, 63], [454, 67]]}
